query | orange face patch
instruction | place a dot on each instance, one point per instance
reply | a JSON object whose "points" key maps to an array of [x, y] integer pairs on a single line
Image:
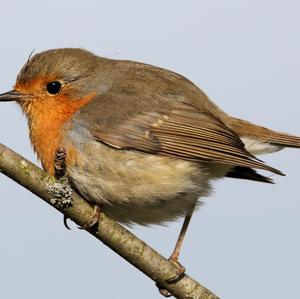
{"points": [[48, 116]]}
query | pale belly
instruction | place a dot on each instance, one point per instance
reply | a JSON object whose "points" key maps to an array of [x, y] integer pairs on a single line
{"points": [[133, 187]]}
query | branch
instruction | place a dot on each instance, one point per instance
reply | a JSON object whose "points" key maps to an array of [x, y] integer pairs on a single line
{"points": [[112, 234]]}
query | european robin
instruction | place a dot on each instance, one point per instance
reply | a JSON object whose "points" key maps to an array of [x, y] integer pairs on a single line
{"points": [[142, 142]]}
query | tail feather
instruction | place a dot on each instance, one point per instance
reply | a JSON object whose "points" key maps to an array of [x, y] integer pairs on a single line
{"points": [[259, 140], [246, 129], [247, 173]]}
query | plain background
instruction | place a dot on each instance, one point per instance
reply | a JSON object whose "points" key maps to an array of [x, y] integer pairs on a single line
{"points": [[244, 242]]}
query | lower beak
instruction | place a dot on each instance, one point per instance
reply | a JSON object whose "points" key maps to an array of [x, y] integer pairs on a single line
{"points": [[11, 96]]}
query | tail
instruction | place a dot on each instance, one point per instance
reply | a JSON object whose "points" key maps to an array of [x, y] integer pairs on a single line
{"points": [[247, 173], [259, 140]]}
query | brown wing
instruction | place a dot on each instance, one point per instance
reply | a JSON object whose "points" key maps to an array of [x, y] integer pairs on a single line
{"points": [[183, 132]]}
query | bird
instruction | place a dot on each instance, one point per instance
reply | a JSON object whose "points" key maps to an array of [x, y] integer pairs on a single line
{"points": [[144, 144]]}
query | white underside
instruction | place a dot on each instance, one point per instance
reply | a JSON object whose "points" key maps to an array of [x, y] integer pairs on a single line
{"points": [[257, 147]]}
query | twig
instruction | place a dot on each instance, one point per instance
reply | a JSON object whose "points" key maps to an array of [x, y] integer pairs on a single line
{"points": [[109, 232]]}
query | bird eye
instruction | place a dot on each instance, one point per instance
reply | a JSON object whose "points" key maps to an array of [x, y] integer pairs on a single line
{"points": [[54, 87]]}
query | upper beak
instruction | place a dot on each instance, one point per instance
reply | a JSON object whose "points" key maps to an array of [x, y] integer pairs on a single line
{"points": [[12, 95]]}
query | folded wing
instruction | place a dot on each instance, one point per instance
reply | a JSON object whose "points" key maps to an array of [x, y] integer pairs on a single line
{"points": [[182, 132]]}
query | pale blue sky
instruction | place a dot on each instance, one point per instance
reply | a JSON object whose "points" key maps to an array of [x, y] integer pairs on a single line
{"points": [[244, 242]]}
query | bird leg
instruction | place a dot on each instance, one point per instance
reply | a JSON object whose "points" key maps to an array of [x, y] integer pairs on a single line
{"points": [[175, 255], [60, 169], [62, 191]]}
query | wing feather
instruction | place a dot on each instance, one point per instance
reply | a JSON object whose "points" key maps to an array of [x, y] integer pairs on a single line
{"points": [[183, 132]]}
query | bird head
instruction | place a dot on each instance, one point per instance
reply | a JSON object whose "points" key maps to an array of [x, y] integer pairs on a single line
{"points": [[61, 79]]}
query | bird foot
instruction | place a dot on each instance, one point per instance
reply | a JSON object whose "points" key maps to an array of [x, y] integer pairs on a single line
{"points": [[61, 190], [94, 219], [180, 272]]}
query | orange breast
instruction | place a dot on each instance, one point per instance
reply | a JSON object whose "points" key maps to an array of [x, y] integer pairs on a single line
{"points": [[48, 124]]}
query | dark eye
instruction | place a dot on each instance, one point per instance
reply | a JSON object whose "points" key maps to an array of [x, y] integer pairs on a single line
{"points": [[54, 87]]}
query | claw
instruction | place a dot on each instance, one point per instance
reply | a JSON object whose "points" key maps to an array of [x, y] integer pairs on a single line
{"points": [[163, 291], [180, 272], [66, 222], [94, 219]]}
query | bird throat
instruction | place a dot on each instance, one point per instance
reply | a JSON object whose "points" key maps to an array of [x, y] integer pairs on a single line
{"points": [[48, 122]]}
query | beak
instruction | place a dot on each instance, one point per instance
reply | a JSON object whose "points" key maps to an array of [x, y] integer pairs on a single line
{"points": [[11, 96]]}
